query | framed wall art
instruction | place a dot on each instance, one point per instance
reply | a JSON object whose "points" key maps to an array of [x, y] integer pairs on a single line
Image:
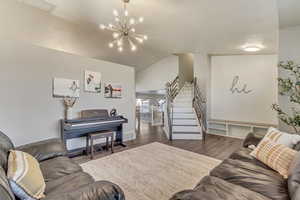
{"points": [[113, 90], [92, 81], [66, 88]]}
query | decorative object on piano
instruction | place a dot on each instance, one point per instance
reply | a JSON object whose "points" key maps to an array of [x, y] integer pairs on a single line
{"points": [[69, 102], [113, 91], [92, 81], [113, 112], [65, 88]]}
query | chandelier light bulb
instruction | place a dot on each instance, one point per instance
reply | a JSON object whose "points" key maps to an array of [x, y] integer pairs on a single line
{"points": [[117, 19], [115, 12], [116, 35], [119, 43], [126, 13], [145, 37], [111, 45], [110, 25], [141, 19], [133, 48], [132, 30], [132, 21], [120, 49], [102, 26]]}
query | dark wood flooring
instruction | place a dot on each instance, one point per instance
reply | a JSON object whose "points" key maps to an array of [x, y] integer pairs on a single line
{"points": [[216, 146]]}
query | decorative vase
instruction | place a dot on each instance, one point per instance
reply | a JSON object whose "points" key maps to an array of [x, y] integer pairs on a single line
{"points": [[69, 113]]}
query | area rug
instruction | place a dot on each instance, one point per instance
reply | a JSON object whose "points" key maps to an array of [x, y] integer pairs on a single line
{"points": [[152, 172]]}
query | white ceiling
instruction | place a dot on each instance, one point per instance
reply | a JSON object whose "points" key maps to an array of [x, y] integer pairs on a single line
{"points": [[177, 26], [289, 13]]}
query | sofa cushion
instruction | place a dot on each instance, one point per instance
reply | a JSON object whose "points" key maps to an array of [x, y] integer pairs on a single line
{"points": [[5, 191], [68, 183], [100, 190], [45, 149], [212, 188], [58, 167], [253, 139], [253, 177], [294, 179], [243, 154], [5, 146]]}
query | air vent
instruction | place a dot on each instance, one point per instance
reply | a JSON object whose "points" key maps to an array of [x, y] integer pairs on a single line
{"points": [[41, 4]]}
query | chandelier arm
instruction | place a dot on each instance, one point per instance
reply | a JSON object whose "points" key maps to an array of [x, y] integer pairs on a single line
{"points": [[138, 35]]}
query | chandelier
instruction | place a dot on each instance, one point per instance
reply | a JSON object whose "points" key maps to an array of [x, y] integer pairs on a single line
{"points": [[123, 31]]}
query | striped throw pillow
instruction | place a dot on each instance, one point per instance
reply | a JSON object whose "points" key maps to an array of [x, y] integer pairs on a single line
{"points": [[279, 137], [276, 156], [25, 176]]}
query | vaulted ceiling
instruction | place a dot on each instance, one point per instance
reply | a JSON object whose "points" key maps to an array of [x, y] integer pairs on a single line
{"points": [[289, 13], [177, 26]]}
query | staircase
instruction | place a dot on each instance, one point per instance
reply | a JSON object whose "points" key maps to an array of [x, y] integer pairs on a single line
{"points": [[185, 124]]}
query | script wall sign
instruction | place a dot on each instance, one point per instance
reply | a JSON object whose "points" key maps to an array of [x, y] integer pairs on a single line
{"points": [[237, 88]]}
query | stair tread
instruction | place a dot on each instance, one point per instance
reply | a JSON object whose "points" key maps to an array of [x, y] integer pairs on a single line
{"points": [[185, 133]]}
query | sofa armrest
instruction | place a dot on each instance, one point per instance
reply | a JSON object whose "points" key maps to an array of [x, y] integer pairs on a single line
{"points": [[253, 139], [103, 190], [45, 150]]}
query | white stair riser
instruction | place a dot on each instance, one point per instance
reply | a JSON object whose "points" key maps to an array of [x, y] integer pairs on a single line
{"points": [[184, 105], [187, 137], [183, 100], [186, 129], [185, 122], [183, 110], [184, 116], [186, 96]]}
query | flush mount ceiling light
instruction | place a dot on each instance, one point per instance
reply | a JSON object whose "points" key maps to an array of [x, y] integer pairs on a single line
{"points": [[123, 30], [252, 48]]}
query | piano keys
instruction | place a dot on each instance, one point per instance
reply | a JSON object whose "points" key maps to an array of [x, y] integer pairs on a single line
{"points": [[81, 127]]}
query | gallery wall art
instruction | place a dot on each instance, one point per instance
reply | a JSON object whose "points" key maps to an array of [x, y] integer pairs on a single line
{"points": [[92, 81], [113, 90], [66, 88]]}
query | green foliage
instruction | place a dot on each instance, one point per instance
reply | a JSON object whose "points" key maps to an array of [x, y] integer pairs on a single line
{"points": [[290, 87]]}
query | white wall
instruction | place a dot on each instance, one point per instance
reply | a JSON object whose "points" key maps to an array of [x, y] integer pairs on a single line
{"points": [[186, 68], [29, 113], [157, 75], [289, 49], [202, 70], [259, 72]]}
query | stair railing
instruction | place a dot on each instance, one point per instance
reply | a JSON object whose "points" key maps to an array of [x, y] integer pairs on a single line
{"points": [[172, 89], [199, 104]]}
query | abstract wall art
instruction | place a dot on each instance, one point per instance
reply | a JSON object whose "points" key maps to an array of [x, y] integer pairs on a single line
{"points": [[92, 81], [113, 90], [66, 88]]}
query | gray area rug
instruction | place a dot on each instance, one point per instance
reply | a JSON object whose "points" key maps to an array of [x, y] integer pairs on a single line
{"points": [[152, 172]]}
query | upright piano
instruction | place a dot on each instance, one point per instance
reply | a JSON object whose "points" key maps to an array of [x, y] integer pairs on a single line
{"points": [[81, 127]]}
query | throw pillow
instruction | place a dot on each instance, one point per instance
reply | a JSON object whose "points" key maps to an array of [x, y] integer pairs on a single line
{"points": [[25, 176], [279, 137], [276, 156]]}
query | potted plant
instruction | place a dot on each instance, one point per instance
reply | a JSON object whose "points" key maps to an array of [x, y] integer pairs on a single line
{"points": [[290, 87]]}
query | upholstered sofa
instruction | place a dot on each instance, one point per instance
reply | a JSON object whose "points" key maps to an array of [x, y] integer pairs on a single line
{"points": [[65, 179], [242, 177]]}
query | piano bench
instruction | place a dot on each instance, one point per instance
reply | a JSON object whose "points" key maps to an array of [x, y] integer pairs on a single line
{"points": [[93, 136]]}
